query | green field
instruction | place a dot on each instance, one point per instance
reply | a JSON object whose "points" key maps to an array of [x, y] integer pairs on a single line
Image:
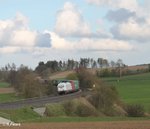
{"points": [[28, 115], [20, 115], [133, 89], [9, 97], [4, 85], [85, 119]]}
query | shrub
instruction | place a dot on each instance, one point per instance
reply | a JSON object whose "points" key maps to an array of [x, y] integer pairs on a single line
{"points": [[135, 110], [72, 76], [55, 109], [86, 79], [103, 99], [116, 110], [69, 107], [80, 107], [84, 108]]}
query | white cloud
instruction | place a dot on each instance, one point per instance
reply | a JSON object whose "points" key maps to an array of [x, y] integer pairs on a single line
{"points": [[9, 49], [104, 45], [59, 42], [23, 38], [119, 15], [15, 35], [88, 44], [133, 30], [69, 22], [130, 19], [131, 5]]}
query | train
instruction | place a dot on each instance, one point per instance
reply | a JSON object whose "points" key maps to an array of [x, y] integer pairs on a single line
{"points": [[67, 86]]}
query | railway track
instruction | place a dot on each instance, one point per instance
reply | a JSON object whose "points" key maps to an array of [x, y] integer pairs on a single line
{"points": [[39, 102]]}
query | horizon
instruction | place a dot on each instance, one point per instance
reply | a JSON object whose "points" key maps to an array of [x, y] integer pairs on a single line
{"points": [[34, 31]]}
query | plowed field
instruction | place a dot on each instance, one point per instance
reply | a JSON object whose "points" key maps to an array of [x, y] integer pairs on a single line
{"points": [[85, 125], [6, 90]]}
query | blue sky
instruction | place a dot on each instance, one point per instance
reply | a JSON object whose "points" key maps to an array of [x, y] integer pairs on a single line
{"points": [[42, 30]]}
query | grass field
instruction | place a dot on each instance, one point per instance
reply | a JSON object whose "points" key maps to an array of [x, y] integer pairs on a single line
{"points": [[86, 119], [133, 89], [27, 115], [20, 115], [9, 97], [4, 85]]}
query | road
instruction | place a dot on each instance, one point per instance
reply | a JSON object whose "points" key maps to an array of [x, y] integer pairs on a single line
{"points": [[38, 102]]}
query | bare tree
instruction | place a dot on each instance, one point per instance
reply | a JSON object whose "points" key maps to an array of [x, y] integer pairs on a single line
{"points": [[120, 65]]}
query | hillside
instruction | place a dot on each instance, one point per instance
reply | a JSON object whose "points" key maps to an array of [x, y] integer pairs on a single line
{"points": [[60, 75]]}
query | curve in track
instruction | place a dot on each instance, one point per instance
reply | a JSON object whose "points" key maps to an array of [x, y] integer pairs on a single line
{"points": [[39, 102]]}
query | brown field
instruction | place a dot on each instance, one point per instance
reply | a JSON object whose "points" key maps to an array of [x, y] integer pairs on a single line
{"points": [[6, 90], [64, 74], [60, 75], [85, 125], [138, 67]]}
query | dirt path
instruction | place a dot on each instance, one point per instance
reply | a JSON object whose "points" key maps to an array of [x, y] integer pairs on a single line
{"points": [[61, 75], [86, 125], [6, 90], [3, 120]]}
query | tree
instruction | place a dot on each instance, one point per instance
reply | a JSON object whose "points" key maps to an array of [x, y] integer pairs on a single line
{"points": [[149, 67], [40, 68], [12, 74], [113, 64], [119, 66], [60, 65], [100, 62], [86, 79], [94, 64], [20, 75], [70, 64], [84, 62], [31, 87], [105, 63], [91, 62]]}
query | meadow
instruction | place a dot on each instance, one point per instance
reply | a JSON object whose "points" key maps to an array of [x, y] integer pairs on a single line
{"points": [[133, 89], [27, 115], [4, 85], [9, 97]]}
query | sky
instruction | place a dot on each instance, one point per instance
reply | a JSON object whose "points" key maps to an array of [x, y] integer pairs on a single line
{"points": [[40, 30]]}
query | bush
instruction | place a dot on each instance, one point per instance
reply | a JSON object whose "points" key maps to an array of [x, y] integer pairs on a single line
{"points": [[116, 110], [86, 79], [55, 109], [103, 99], [72, 76], [80, 107], [84, 108], [135, 110], [69, 107]]}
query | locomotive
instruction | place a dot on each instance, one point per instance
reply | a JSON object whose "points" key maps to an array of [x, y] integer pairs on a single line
{"points": [[67, 86]]}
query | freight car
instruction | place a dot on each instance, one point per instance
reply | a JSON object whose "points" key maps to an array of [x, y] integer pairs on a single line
{"points": [[67, 86]]}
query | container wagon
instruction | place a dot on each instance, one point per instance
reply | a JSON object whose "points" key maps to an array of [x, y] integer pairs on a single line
{"points": [[67, 86]]}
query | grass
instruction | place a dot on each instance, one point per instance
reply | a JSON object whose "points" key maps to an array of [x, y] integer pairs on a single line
{"points": [[27, 115], [55, 109], [20, 115], [4, 85], [133, 89], [86, 119], [9, 97]]}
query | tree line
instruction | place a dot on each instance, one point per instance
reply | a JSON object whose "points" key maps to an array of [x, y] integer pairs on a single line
{"points": [[24, 80], [52, 66]]}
